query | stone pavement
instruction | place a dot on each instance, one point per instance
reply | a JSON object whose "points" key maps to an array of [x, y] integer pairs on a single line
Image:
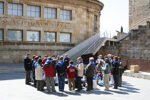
{"points": [[11, 68], [12, 87]]}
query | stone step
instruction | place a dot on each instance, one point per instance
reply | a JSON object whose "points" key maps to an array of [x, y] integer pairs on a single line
{"points": [[143, 75]]}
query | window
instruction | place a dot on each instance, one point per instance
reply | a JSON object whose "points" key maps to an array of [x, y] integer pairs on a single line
{"points": [[49, 37], [1, 35], [33, 36], [65, 37], [33, 11], [15, 9], [50, 13], [65, 15], [14, 35], [1, 8], [95, 23]]}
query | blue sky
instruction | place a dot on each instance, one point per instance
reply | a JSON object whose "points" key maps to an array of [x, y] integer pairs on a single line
{"points": [[114, 15]]}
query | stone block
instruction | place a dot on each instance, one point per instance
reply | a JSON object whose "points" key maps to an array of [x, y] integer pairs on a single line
{"points": [[134, 68]]}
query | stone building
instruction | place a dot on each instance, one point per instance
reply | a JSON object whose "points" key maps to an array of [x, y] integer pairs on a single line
{"points": [[139, 13], [43, 27]]}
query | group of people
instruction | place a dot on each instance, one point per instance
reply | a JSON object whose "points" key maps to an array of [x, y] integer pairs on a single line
{"points": [[44, 72]]}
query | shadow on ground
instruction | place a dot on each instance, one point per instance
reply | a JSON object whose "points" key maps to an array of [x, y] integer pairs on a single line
{"points": [[126, 88]]}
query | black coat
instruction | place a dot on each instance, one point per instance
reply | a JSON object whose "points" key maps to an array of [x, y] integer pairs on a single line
{"points": [[89, 70], [27, 64], [115, 68]]}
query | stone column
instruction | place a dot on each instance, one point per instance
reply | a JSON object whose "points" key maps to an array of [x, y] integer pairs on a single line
{"points": [[58, 37], [25, 10], [58, 14], [42, 12]]}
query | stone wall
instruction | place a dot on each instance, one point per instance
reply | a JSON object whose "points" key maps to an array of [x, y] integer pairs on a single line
{"points": [[139, 13], [80, 27], [136, 50], [12, 52]]}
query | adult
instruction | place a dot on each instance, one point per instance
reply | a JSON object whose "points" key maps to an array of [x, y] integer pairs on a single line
{"points": [[28, 68], [116, 72], [49, 74], [39, 76], [61, 70], [40, 61], [89, 72], [66, 60], [107, 69], [33, 69], [44, 60], [100, 62], [121, 70], [110, 59], [80, 70]]}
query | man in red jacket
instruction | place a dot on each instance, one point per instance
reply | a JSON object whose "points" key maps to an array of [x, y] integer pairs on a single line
{"points": [[71, 72], [49, 74]]}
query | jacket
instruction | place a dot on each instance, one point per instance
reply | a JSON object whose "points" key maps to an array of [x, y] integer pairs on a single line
{"points": [[71, 72], [107, 68], [116, 67], [38, 72], [80, 69], [61, 70], [27, 64], [49, 70], [89, 70]]}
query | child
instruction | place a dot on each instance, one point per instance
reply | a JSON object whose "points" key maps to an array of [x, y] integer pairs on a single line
{"points": [[71, 72], [99, 79]]}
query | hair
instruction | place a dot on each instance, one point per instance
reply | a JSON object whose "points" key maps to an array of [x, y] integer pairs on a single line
{"points": [[116, 58], [34, 56], [71, 62], [49, 58], [61, 58], [79, 59], [39, 56], [91, 59], [106, 60]]}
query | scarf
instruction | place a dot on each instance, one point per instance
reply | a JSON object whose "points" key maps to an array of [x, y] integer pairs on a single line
{"points": [[36, 64], [33, 62], [47, 62], [60, 63], [92, 62], [71, 66]]}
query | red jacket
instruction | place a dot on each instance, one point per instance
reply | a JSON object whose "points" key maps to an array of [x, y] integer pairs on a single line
{"points": [[71, 72], [49, 71]]}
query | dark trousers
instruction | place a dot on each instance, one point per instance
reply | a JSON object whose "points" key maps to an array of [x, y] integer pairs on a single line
{"points": [[89, 83], [116, 81], [34, 80], [120, 78], [28, 79], [61, 83], [40, 85], [79, 86]]}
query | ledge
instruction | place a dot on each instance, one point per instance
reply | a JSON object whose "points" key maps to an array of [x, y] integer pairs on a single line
{"points": [[143, 75]]}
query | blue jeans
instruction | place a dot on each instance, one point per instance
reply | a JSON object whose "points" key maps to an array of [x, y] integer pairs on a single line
{"points": [[61, 83]]}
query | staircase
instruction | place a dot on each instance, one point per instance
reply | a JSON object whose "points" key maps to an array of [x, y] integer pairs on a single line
{"points": [[84, 47], [90, 46]]}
